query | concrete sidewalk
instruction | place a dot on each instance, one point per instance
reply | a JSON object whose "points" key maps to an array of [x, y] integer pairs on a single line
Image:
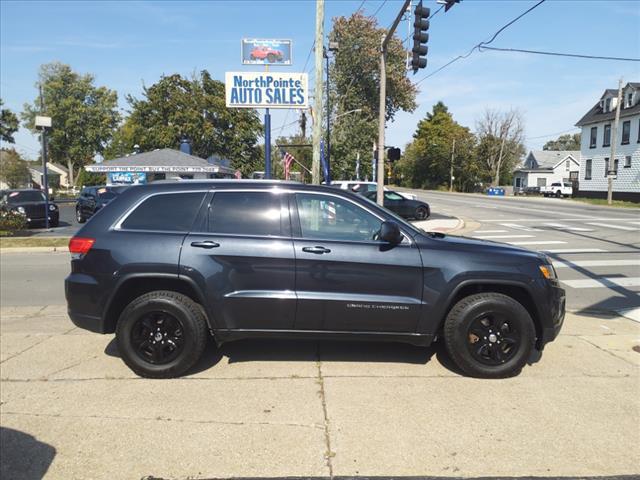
{"points": [[71, 409]]}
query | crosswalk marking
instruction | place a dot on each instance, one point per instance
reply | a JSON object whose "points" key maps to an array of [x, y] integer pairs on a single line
{"points": [[608, 225], [488, 237], [490, 231], [603, 282], [597, 263], [562, 226], [576, 250], [520, 227], [635, 223], [544, 242]]}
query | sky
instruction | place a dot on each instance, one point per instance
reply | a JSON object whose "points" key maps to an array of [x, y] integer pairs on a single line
{"points": [[128, 44]]}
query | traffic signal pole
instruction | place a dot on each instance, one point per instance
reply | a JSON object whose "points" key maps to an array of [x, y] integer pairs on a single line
{"points": [[383, 103]]}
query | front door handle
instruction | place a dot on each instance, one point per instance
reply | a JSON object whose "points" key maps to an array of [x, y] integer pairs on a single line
{"points": [[205, 244], [317, 250]]}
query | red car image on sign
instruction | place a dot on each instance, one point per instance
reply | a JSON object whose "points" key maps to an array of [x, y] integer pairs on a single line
{"points": [[272, 55]]}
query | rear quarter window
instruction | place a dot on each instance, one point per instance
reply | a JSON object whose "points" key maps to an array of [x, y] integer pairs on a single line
{"points": [[174, 212]]}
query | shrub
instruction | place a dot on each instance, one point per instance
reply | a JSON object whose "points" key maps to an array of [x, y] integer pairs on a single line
{"points": [[12, 222]]}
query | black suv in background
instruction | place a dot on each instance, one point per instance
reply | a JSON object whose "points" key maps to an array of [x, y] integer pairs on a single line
{"points": [[31, 204], [166, 265], [92, 199]]}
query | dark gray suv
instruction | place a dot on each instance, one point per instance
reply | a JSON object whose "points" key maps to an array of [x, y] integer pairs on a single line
{"points": [[168, 264]]}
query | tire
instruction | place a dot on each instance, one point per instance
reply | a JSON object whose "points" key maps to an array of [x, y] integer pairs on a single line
{"points": [[558, 194], [179, 320], [79, 217], [495, 355], [271, 58], [54, 223], [421, 213]]}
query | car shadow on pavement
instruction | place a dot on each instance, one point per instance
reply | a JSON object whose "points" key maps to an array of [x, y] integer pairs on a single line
{"points": [[23, 457]]}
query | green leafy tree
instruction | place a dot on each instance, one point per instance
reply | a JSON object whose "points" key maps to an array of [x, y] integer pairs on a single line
{"points": [[84, 117], [564, 142], [176, 106], [426, 162], [355, 85], [85, 178], [13, 169], [303, 156], [9, 124]]}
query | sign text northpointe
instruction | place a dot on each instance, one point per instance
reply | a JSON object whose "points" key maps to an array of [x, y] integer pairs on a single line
{"points": [[266, 90]]}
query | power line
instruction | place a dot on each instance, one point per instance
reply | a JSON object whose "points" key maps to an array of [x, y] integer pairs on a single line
{"points": [[573, 130], [361, 5], [481, 44], [378, 9], [558, 54]]}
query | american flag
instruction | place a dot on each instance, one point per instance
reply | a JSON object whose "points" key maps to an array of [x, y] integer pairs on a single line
{"points": [[287, 160]]}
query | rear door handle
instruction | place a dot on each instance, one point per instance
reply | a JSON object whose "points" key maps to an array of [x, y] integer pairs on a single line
{"points": [[205, 244], [317, 250]]}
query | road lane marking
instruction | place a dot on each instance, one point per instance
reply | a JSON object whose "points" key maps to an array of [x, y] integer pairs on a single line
{"points": [[520, 227], [608, 225], [562, 226], [576, 250], [490, 231], [597, 263], [603, 282], [491, 237], [544, 242], [567, 219]]}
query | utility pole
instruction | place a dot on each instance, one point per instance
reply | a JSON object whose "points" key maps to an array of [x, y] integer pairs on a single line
{"points": [[317, 118], [383, 103], [43, 138], [453, 150], [614, 141]]}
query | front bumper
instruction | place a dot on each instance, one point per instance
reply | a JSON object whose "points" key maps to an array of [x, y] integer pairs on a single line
{"points": [[551, 327]]}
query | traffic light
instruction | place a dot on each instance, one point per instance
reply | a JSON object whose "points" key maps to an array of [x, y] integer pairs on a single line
{"points": [[393, 154], [420, 37], [450, 3]]}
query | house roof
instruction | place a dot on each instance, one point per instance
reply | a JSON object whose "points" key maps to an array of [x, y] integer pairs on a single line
{"points": [[60, 167], [162, 160], [548, 159], [38, 168], [595, 114]]}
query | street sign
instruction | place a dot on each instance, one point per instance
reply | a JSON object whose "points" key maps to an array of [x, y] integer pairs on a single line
{"points": [[266, 90], [256, 51]]}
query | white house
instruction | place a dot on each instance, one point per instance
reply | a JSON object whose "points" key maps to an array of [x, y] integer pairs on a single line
{"points": [[595, 148], [544, 167]]}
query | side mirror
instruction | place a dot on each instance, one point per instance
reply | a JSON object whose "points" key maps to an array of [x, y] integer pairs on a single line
{"points": [[390, 233]]}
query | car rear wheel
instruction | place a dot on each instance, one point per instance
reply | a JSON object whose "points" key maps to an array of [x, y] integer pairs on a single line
{"points": [[161, 334], [489, 335], [79, 217], [558, 194], [271, 57], [421, 213]]}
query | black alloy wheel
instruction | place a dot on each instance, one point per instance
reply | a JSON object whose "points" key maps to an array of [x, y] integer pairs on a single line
{"points": [[421, 213], [492, 339], [157, 337]]}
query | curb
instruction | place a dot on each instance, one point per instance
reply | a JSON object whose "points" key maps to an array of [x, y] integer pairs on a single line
{"points": [[9, 250]]}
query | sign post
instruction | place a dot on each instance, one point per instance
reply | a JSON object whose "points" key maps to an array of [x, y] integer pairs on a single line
{"points": [[267, 144]]}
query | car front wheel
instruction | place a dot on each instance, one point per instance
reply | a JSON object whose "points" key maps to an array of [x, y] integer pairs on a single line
{"points": [[161, 334], [489, 335], [421, 213]]}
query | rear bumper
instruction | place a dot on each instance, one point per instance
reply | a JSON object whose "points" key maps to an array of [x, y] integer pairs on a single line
{"points": [[83, 295]]}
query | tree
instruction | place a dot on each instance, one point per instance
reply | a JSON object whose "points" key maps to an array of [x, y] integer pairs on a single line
{"points": [[500, 142], [564, 142], [9, 124], [84, 117], [13, 169], [175, 107], [355, 85], [426, 162], [85, 179]]}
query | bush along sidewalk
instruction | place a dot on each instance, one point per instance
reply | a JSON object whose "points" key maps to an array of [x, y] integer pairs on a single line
{"points": [[12, 223]]}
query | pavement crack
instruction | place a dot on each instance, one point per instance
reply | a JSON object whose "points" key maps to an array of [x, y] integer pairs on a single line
{"points": [[329, 454], [608, 351], [26, 349], [166, 419]]}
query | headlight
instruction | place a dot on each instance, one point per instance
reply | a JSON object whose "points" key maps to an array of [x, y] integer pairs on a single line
{"points": [[548, 272], [20, 210], [52, 207]]}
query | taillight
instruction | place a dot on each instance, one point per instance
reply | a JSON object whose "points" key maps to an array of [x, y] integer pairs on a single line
{"points": [[81, 245]]}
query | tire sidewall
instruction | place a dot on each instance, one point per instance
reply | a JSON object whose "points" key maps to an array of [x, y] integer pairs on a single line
{"points": [[136, 310], [421, 213], [457, 344]]}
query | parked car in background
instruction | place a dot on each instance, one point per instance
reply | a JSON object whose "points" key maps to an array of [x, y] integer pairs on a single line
{"points": [[166, 265], [92, 199], [364, 187], [558, 189], [527, 191], [402, 206], [31, 204]]}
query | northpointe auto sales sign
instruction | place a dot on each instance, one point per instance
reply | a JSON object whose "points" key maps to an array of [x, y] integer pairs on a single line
{"points": [[266, 90]]}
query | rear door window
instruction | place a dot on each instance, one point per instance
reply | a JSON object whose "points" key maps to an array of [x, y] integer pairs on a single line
{"points": [[248, 213], [173, 212]]}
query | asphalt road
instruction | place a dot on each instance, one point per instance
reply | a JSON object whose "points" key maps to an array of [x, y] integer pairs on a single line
{"points": [[596, 249]]}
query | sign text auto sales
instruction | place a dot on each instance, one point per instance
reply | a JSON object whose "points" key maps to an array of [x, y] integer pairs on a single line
{"points": [[266, 90]]}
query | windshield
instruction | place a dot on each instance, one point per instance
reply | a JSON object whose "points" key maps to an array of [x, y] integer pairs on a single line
{"points": [[26, 196]]}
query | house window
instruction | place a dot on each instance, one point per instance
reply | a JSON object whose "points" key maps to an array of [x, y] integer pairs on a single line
{"points": [[615, 165], [626, 132], [542, 182], [607, 105], [627, 161], [594, 135], [567, 165], [606, 166], [587, 169], [629, 102], [606, 140]]}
